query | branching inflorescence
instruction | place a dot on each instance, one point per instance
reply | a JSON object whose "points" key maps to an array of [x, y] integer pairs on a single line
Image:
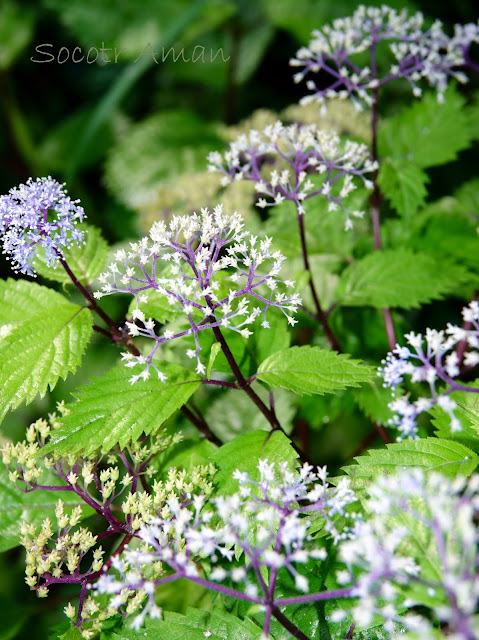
{"points": [[434, 360], [417, 54], [188, 535], [300, 154], [411, 512], [248, 545], [116, 489], [208, 268], [38, 213]]}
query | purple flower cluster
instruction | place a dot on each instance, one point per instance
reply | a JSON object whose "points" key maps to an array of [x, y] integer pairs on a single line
{"points": [[306, 162], [209, 269], [38, 213], [418, 54], [434, 360]]}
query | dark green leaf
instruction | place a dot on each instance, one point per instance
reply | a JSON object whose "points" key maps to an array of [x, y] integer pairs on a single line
{"points": [[428, 133], [403, 184], [398, 278]]}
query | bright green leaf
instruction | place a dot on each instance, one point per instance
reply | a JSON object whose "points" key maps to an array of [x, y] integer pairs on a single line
{"points": [[244, 452], [47, 344], [403, 184], [112, 411], [398, 278], [21, 298], [431, 454], [307, 370], [215, 349], [428, 133]]}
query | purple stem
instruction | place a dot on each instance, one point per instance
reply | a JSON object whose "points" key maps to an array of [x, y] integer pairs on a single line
{"points": [[288, 625], [376, 198], [347, 592], [116, 334], [80, 605], [320, 314]]}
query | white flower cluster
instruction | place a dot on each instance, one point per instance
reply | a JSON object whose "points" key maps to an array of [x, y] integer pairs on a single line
{"points": [[410, 513], [207, 267], [301, 152], [417, 54], [434, 360], [264, 524]]}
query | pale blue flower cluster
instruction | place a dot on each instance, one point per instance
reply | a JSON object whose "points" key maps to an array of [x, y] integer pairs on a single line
{"points": [[434, 359], [38, 213]]}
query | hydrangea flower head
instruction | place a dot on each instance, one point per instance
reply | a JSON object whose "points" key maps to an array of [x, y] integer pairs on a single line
{"points": [[432, 359], [417, 54], [208, 268], [38, 213], [297, 153]]}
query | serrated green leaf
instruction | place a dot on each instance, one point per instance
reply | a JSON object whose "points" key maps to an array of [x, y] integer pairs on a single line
{"points": [[403, 184], [112, 411], [307, 370], [47, 344], [431, 454], [86, 261], [21, 298], [398, 278], [449, 233], [34, 507], [373, 399], [244, 452], [428, 133]]}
